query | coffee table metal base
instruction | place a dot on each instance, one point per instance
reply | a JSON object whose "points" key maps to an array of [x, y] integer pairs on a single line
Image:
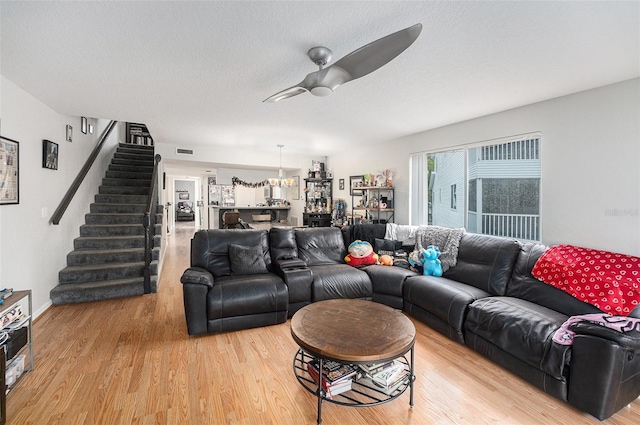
{"points": [[360, 395]]}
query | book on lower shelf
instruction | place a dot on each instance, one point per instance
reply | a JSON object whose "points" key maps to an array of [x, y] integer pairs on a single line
{"points": [[336, 377], [402, 378], [331, 390], [334, 371], [373, 368], [387, 376]]}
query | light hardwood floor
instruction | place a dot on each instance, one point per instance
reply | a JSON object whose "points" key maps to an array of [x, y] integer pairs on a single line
{"points": [[130, 361]]}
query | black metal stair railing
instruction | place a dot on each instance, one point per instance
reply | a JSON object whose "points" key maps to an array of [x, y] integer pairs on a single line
{"points": [[66, 200], [150, 211]]}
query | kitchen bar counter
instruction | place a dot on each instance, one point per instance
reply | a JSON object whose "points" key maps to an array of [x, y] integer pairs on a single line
{"points": [[246, 214]]}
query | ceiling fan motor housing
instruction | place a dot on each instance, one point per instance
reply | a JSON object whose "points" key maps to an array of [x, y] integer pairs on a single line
{"points": [[320, 55]]}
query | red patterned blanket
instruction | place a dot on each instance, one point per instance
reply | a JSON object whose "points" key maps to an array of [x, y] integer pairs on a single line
{"points": [[607, 280]]}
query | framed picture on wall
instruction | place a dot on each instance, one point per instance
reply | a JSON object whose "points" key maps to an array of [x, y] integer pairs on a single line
{"points": [[83, 125], [183, 196], [9, 175], [49, 155], [295, 188]]}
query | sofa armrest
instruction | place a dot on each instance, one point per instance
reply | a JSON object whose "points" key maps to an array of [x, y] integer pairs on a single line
{"points": [[291, 264], [604, 374], [299, 282], [198, 276], [195, 307], [625, 339]]}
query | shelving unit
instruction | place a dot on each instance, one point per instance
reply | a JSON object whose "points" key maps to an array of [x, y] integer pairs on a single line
{"points": [[22, 298], [138, 134], [373, 204], [317, 211]]}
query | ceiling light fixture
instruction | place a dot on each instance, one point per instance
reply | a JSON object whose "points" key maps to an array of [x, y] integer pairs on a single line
{"points": [[280, 181]]}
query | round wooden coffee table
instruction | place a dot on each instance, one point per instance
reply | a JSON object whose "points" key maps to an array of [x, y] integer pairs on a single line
{"points": [[353, 332]]}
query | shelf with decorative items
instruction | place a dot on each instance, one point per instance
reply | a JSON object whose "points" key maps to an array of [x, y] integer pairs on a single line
{"points": [[372, 199], [16, 336], [138, 134], [317, 210]]}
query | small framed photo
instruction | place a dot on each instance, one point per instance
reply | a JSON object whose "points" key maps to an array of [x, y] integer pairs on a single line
{"points": [[83, 125], [9, 173], [341, 184], [49, 155], [295, 188], [183, 196], [69, 133]]}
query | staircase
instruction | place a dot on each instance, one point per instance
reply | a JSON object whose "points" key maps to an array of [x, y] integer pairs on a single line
{"points": [[108, 257]]}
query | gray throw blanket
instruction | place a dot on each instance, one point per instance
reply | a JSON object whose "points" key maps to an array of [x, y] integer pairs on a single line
{"points": [[447, 239]]}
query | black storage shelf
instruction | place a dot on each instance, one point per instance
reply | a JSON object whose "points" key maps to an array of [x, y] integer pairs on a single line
{"points": [[318, 198], [372, 214], [18, 297]]}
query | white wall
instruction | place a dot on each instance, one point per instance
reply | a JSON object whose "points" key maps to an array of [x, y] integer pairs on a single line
{"points": [[33, 251], [590, 184]]}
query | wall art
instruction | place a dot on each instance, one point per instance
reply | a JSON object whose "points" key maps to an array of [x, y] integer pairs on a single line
{"points": [[49, 155], [9, 171]]}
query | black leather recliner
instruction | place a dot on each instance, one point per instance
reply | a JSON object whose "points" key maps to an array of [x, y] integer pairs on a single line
{"points": [[230, 284], [311, 262]]}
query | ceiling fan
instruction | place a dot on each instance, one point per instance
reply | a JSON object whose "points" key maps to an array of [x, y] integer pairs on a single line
{"points": [[356, 64]]}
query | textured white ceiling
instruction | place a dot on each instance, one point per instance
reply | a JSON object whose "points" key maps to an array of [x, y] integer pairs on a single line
{"points": [[197, 72]]}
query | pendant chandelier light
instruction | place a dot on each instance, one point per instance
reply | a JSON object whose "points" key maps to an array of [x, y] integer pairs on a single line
{"points": [[280, 181]]}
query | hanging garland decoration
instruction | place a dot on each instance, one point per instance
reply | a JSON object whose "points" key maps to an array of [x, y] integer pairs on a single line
{"points": [[236, 181]]}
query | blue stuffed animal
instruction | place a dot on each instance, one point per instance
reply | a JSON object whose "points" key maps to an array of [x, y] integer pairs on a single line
{"points": [[430, 262]]}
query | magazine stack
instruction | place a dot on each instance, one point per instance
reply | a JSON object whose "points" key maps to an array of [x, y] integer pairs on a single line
{"points": [[386, 377], [336, 377]]}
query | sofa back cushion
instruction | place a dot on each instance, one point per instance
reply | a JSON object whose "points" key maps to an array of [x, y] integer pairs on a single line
{"points": [[246, 260], [363, 232], [320, 245], [210, 248], [485, 262], [524, 286], [283, 243]]}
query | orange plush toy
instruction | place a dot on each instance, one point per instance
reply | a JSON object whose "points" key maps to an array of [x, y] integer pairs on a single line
{"points": [[386, 260], [360, 254]]}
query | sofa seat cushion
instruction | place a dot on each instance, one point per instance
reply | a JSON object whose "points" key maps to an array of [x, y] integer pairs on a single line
{"points": [[339, 281], [444, 298], [246, 294], [522, 329]]}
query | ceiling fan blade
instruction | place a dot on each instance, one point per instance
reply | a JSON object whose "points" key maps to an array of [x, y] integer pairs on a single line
{"points": [[286, 93], [374, 55]]}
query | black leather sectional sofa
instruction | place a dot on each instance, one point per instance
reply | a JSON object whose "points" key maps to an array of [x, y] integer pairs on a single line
{"points": [[488, 301]]}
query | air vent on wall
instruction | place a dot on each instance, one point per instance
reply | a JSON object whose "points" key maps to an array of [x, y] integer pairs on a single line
{"points": [[181, 151]]}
